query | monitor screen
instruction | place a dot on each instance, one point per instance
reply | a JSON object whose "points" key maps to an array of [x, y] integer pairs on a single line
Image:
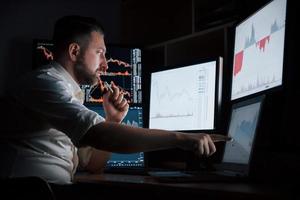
{"points": [[242, 129], [42, 52], [185, 98], [259, 51], [134, 118], [125, 70]]}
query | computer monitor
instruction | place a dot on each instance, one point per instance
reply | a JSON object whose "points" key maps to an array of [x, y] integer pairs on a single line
{"points": [[186, 98], [125, 70], [245, 117], [259, 51], [42, 52], [132, 160], [242, 128]]}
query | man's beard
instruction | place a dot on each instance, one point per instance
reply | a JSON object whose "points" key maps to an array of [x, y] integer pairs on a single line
{"points": [[83, 75]]}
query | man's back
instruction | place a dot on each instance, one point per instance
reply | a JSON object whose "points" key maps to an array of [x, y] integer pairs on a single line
{"points": [[39, 138]]}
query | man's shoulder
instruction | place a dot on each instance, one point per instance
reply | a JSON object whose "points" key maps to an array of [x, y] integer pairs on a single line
{"points": [[45, 78], [43, 74]]}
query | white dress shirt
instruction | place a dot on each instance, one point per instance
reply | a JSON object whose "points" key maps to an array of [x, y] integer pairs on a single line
{"points": [[46, 120]]}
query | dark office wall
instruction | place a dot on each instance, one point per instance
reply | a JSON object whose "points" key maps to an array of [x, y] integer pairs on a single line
{"points": [[23, 21]]}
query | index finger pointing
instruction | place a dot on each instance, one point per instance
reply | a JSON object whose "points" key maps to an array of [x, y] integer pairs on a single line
{"points": [[220, 138]]}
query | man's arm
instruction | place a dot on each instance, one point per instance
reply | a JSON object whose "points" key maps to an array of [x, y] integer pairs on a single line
{"points": [[115, 137], [97, 161]]}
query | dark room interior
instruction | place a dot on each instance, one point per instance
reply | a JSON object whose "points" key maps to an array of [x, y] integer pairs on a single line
{"points": [[169, 34]]}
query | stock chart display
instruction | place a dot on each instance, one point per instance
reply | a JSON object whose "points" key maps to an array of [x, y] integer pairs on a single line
{"points": [[125, 70], [259, 51]]}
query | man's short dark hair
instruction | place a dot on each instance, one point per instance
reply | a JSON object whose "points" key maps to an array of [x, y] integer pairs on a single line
{"points": [[74, 28]]}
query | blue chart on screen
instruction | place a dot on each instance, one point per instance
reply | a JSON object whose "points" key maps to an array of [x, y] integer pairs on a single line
{"points": [[133, 118], [242, 129]]}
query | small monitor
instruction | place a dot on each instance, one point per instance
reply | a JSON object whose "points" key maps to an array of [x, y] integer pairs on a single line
{"points": [[134, 118], [242, 129], [186, 98], [259, 51]]}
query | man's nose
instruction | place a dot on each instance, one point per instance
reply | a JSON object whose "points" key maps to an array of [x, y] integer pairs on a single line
{"points": [[104, 65]]}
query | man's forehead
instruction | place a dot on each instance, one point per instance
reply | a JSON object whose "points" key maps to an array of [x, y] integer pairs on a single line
{"points": [[97, 40]]}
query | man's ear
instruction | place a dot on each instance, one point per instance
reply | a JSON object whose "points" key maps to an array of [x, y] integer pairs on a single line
{"points": [[74, 50]]}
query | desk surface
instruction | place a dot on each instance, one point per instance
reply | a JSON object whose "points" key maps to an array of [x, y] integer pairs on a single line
{"points": [[234, 190]]}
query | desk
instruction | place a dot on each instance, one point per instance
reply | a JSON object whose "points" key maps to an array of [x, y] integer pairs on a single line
{"points": [[147, 187]]}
